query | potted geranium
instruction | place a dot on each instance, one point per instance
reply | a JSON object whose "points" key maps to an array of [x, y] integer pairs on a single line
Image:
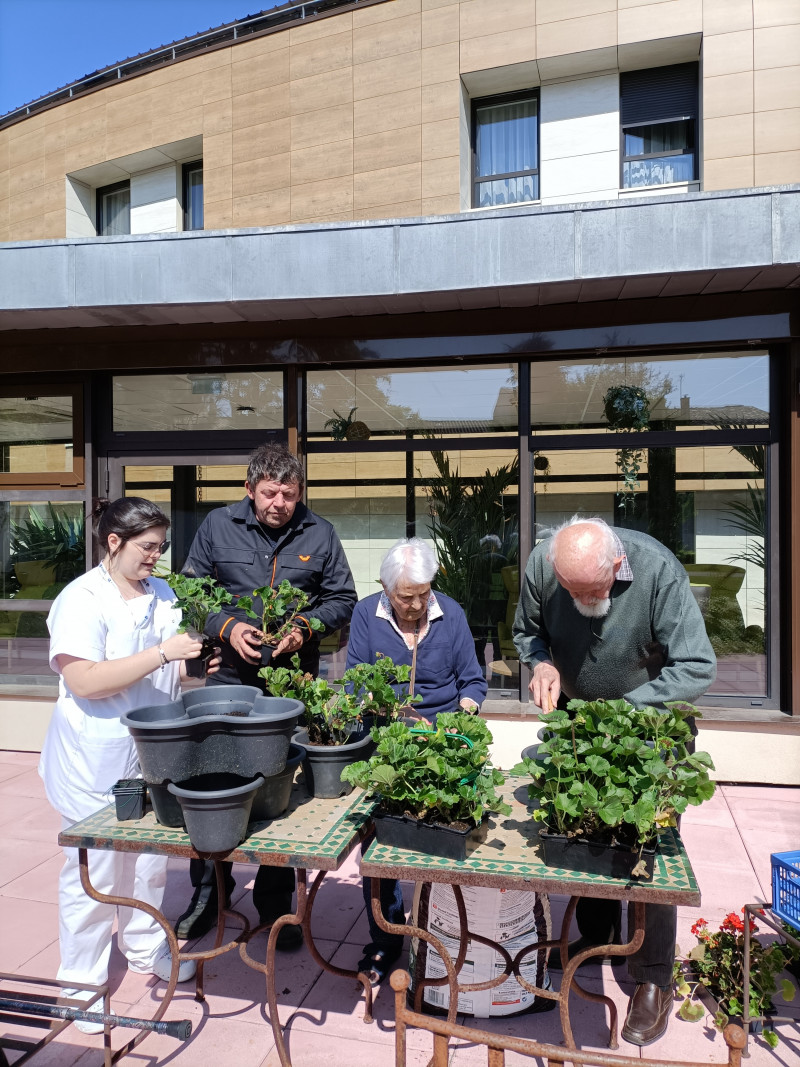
{"points": [[281, 608], [435, 787], [382, 689], [332, 733], [197, 598], [608, 779], [711, 976]]}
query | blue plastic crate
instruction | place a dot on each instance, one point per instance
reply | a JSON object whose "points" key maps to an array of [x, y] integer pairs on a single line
{"points": [[786, 887]]}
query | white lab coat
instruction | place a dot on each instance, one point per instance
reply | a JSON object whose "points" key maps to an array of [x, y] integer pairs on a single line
{"points": [[87, 749]]}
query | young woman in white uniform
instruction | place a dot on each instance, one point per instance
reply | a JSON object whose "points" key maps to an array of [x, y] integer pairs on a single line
{"points": [[114, 644]]}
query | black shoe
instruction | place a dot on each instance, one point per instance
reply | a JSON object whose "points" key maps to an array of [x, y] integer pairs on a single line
{"points": [[554, 963], [200, 916], [290, 936]]}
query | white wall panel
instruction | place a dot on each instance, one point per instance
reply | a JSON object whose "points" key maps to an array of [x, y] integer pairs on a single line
{"points": [[579, 139], [154, 201]]}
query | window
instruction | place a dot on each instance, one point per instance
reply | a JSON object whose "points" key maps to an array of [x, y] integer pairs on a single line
{"points": [[193, 195], [506, 149], [658, 115], [114, 209]]}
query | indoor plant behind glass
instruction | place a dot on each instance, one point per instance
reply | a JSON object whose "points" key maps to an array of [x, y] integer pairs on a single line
{"points": [[609, 778], [627, 408], [435, 787]]}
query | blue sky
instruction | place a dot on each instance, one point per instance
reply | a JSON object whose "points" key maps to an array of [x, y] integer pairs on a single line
{"points": [[45, 44]]}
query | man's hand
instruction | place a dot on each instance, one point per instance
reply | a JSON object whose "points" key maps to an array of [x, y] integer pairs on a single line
{"points": [[245, 642], [545, 686], [293, 642]]}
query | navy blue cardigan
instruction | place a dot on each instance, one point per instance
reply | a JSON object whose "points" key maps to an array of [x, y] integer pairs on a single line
{"points": [[447, 667]]}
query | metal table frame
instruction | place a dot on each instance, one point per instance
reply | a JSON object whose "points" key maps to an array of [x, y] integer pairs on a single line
{"points": [[509, 859], [312, 835]]}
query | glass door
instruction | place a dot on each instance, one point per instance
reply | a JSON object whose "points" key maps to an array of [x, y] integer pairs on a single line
{"points": [[185, 490]]}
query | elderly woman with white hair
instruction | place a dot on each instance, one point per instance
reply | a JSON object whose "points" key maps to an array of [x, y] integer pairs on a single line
{"points": [[429, 632]]}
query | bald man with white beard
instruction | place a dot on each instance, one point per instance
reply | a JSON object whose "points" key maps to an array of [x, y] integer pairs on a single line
{"points": [[609, 613]]}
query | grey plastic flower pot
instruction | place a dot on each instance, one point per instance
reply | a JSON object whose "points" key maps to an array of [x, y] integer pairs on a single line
{"points": [[216, 810], [173, 745], [272, 799], [166, 808], [323, 764]]}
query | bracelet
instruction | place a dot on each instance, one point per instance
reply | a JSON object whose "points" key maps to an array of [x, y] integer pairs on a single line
{"points": [[163, 657]]}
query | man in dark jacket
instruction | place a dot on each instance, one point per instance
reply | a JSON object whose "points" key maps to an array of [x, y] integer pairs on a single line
{"points": [[268, 536], [609, 613]]}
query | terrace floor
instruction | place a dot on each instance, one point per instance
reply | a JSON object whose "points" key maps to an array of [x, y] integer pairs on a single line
{"points": [[729, 841]]}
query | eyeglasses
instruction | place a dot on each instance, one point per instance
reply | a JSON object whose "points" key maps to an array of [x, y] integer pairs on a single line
{"points": [[150, 548]]}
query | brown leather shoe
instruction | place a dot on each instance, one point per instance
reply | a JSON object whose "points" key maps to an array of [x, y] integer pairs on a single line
{"points": [[648, 1014]]}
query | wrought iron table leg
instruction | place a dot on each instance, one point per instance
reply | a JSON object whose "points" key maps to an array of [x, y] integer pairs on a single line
{"points": [[302, 917]]}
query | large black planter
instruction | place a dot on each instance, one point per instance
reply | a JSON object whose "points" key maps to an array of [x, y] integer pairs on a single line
{"points": [[434, 839], [216, 809], [590, 857], [323, 764], [272, 799], [234, 736]]}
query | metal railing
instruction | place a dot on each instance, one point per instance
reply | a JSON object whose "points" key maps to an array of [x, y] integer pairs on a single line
{"points": [[254, 25]]}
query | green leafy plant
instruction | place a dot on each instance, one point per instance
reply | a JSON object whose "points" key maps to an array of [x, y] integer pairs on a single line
{"points": [[55, 537], [475, 532], [434, 776], [382, 688], [197, 598], [615, 773], [627, 409], [343, 427], [716, 964], [331, 711], [280, 608]]}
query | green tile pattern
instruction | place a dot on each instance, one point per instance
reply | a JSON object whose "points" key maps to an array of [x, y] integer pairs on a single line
{"points": [[312, 833], [510, 858]]}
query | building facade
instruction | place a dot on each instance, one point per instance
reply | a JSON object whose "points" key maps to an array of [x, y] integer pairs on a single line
{"points": [[484, 264]]}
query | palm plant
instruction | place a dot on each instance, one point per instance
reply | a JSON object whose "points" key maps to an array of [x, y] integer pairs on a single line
{"points": [[57, 538]]}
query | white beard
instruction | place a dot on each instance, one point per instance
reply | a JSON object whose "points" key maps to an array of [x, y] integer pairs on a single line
{"points": [[598, 610]]}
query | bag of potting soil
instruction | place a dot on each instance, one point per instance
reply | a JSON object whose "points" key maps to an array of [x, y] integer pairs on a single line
{"points": [[513, 918]]}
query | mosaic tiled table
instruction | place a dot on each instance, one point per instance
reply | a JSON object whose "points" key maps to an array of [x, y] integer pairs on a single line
{"points": [[510, 858], [313, 834]]}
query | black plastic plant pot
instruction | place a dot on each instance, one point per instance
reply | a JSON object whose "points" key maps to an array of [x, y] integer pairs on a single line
{"points": [[216, 810], [323, 764], [220, 700], [196, 668], [591, 857], [531, 752], [130, 797], [434, 839], [272, 799], [166, 808], [172, 749]]}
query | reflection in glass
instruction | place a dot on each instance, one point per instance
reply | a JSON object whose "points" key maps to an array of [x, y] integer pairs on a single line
{"points": [[707, 505], [24, 649], [666, 147], [35, 434], [208, 400], [394, 403], [699, 391], [500, 191], [42, 547]]}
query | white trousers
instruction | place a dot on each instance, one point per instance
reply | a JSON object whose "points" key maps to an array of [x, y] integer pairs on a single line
{"points": [[85, 925]]}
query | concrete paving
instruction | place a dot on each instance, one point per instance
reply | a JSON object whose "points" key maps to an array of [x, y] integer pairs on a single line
{"points": [[729, 840]]}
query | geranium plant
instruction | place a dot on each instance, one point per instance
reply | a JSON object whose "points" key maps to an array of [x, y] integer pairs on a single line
{"points": [[331, 711], [439, 776], [197, 599], [616, 774], [280, 609], [382, 688], [716, 964]]}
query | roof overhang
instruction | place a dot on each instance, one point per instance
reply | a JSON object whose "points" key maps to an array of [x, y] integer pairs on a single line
{"points": [[650, 247]]}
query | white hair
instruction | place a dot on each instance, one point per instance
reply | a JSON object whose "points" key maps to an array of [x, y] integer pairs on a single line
{"points": [[609, 550], [408, 558]]}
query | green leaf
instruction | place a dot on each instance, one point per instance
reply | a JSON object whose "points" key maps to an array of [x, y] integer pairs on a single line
{"points": [[787, 989], [690, 1011], [770, 1037]]}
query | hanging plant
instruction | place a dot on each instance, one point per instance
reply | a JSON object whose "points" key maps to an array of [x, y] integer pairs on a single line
{"points": [[627, 409], [541, 464], [345, 428]]}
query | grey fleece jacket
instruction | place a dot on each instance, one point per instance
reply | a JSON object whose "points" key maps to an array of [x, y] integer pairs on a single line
{"points": [[652, 646]]}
